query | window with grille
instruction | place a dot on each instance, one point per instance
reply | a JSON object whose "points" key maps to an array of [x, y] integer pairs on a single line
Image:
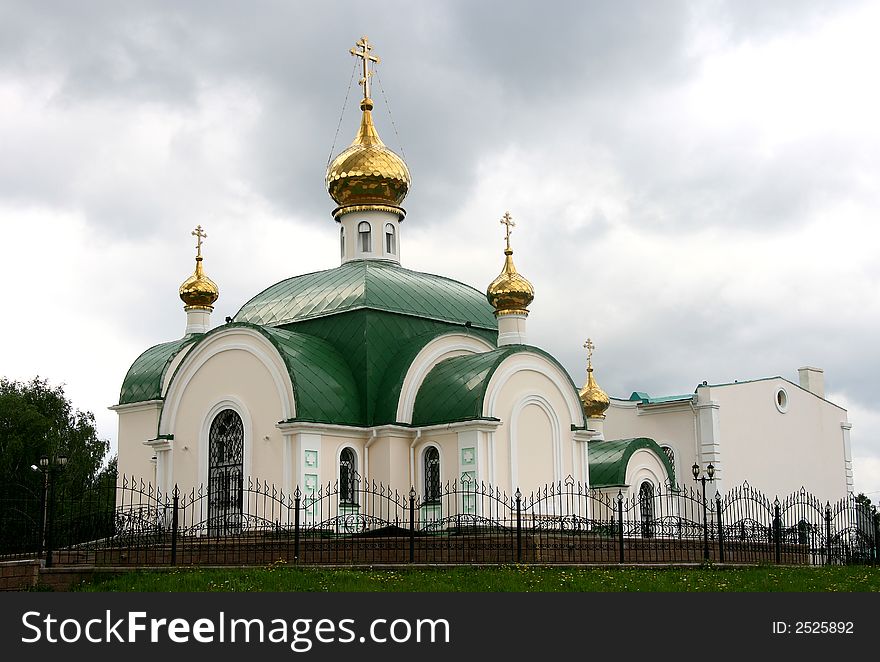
{"points": [[432, 474], [348, 477]]}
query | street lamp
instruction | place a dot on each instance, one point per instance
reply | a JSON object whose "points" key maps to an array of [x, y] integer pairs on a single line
{"points": [[48, 468], [708, 476]]}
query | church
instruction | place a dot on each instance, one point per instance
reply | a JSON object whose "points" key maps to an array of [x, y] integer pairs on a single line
{"points": [[371, 371]]}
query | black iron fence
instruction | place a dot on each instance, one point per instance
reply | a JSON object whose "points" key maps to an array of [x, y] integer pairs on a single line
{"points": [[130, 522]]}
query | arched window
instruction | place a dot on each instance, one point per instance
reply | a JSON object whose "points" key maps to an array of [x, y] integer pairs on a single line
{"points": [[342, 242], [390, 244], [670, 454], [646, 509], [365, 238], [225, 473], [432, 475], [348, 484]]}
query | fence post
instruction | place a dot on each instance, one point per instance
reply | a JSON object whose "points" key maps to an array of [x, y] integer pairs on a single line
{"points": [[720, 527], [876, 520], [50, 517], [827, 533], [620, 521], [777, 531], [297, 495], [412, 524], [175, 501], [518, 526]]}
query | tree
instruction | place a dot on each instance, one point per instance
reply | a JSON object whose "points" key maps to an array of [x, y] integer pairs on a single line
{"points": [[37, 419]]}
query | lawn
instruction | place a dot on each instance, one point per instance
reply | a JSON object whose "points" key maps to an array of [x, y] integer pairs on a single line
{"points": [[497, 579]]}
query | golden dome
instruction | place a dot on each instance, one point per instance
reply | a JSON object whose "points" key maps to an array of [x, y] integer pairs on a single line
{"points": [[594, 401], [510, 292], [368, 175], [199, 291]]}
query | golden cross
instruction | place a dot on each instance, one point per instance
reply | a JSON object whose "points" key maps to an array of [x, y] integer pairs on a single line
{"points": [[199, 234], [589, 347], [507, 220], [364, 54]]}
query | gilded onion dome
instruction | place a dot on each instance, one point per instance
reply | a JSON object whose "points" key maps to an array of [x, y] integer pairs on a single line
{"points": [[594, 400], [510, 293], [367, 175], [199, 291]]}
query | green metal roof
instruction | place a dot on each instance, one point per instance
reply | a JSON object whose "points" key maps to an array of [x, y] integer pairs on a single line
{"points": [[644, 398], [143, 381], [375, 284], [455, 388], [324, 389], [608, 460]]}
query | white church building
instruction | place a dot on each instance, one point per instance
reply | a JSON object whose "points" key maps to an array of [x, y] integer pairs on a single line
{"points": [[372, 370]]}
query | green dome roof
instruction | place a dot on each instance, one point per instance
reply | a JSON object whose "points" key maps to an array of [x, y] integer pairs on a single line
{"points": [[374, 284]]}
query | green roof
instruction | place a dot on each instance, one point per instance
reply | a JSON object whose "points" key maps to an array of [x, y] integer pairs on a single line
{"points": [[644, 398], [375, 284], [143, 381], [455, 388], [608, 460], [323, 387]]}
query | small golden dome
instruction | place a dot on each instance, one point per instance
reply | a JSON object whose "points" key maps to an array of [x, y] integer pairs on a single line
{"points": [[510, 293], [367, 175], [199, 291], [594, 400]]}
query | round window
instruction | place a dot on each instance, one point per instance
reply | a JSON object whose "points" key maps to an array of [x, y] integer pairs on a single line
{"points": [[781, 400]]}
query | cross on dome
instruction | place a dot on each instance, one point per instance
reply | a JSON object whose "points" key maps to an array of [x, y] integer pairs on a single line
{"points": [[366, 58], [507, 221], [589, 346], [199, 234]]}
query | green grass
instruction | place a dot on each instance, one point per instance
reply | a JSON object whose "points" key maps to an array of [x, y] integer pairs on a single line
{"points": [[495, 579]]}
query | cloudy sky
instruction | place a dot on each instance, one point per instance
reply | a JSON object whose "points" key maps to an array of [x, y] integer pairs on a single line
{"points": [[695, 184]]}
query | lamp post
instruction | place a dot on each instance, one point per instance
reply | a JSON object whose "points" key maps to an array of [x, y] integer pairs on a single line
{"points": [[708, 476], [48, 469]]}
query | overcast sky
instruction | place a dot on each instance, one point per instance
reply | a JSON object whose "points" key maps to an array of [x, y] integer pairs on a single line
{"points": [[695, 185]]}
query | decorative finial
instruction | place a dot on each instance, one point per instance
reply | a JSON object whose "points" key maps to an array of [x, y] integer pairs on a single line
{"points": [[366, 57], [507, 221], [198, 291], [199, 234], [594, 400], [589, 346]]}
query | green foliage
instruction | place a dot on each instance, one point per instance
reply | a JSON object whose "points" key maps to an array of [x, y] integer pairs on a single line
{"points": [[37, 419]]}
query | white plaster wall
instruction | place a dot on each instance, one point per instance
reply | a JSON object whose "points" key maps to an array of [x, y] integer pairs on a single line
{"points": [[779, 453], [534, 443], [535, 435], [668, 426], [235, 375], [377, 221], [136, 425]]}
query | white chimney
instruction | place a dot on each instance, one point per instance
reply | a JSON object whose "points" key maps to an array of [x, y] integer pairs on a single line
{"points": [[812, 379]]}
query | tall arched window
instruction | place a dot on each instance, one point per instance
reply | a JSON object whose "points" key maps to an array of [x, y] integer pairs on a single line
{"points": [[390, 244], [432, 475], [670, 454], [225, 473], [342, 242], [646, 509], [365, 238], [348, 477]]}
